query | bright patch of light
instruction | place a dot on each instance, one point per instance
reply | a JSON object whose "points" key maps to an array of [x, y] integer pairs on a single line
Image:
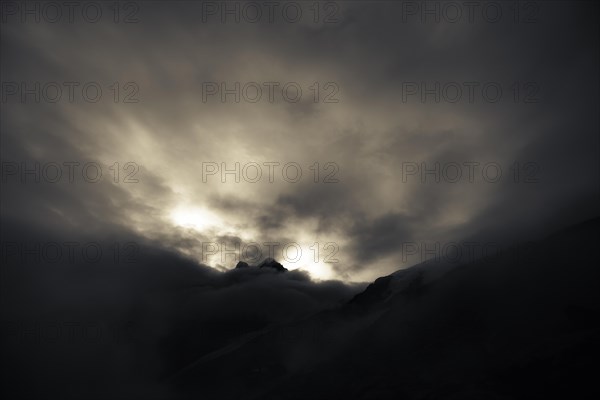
{"points": [[196, 218], [311, 257]]}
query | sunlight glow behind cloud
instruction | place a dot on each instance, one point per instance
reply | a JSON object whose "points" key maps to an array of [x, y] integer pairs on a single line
{"points": [[197, 218]]}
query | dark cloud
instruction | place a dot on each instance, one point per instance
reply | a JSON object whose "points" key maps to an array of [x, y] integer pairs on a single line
{"points": [[173, 315], [140, 316], [390, 230], [368, 134]]}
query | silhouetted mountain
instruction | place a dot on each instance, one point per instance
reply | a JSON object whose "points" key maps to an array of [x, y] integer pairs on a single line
{"points": [[271, 263], [520, 325], [117, 328], [515, 326], [266, 263], [375, 292]]}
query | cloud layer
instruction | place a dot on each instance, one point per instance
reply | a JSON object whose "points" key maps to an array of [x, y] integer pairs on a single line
{"points": [[367, 201]]}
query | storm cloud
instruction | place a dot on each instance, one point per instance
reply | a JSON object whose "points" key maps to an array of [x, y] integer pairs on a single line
{"points": [[357, 145]]}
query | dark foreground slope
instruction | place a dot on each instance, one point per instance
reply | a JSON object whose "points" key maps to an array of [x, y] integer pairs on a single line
{"points": [[119, 327], [521, 325]]}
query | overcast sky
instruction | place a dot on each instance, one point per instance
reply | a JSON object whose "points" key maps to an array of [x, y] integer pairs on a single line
{"points": [[366, 120]]}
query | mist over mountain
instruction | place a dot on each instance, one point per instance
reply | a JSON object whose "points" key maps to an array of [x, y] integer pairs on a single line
{"points": [[299, 200], [519, 325]]}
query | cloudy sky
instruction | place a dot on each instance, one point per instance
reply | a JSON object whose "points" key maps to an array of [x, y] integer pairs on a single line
{"points": [[325, 122]]}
